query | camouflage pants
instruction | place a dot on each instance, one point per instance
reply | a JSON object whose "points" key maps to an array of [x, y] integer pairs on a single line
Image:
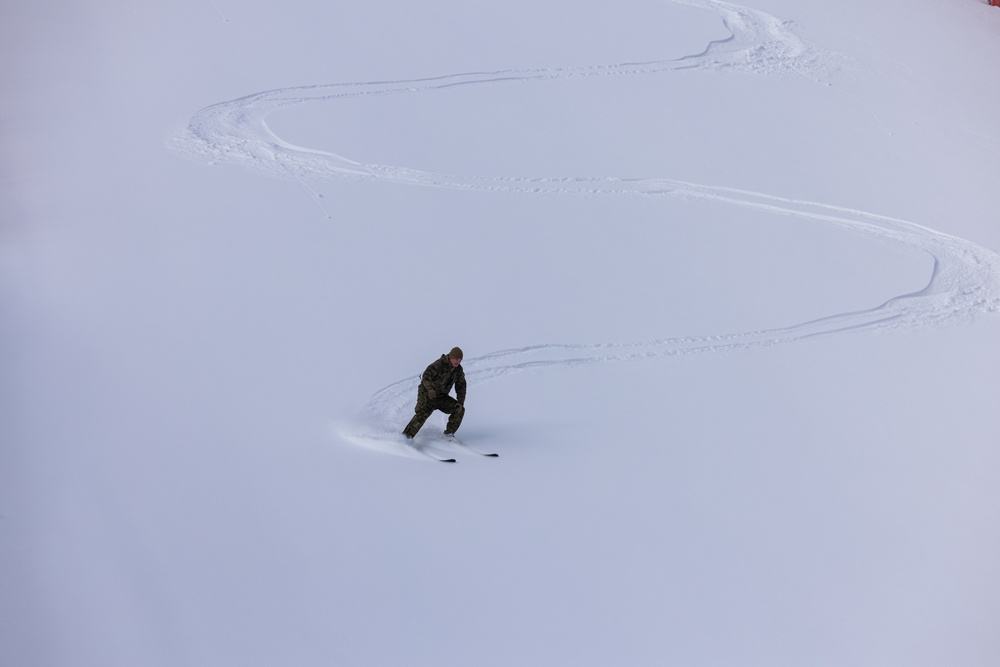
{"points": [[426, 406]]}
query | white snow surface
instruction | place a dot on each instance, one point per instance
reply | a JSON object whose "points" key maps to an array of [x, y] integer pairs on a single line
{"points": [[725, 277]]}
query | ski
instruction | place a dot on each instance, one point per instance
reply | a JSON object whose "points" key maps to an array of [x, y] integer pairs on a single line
{"points": [[428, 454], [455, 441]]}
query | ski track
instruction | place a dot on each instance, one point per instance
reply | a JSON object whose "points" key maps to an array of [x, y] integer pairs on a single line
{"points": [[964, 282]]}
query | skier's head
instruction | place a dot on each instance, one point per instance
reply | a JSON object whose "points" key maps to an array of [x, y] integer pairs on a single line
{"points": [[455, 356]]}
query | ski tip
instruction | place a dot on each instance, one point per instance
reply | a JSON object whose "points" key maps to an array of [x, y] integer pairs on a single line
{"points": [[496, 456], [447, 460]]}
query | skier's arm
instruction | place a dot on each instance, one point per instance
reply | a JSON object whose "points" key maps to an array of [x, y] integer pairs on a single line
{"points": [[460, 387], [429, 379]]}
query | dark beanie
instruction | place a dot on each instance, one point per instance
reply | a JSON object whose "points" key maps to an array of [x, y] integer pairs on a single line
{"points": [[456, 353]]}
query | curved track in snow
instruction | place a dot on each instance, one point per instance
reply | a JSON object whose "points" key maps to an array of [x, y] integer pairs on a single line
{"points": [[964, 283]]}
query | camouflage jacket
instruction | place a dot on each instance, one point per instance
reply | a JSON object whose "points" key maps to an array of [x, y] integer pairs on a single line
{"points": [[441, 377]]}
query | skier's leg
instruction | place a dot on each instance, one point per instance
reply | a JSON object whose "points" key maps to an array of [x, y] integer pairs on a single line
{"points": [[415, 424], [456, 412], [421, 412]]}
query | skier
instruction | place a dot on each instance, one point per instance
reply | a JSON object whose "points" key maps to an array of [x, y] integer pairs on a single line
{"points": [[433, 393]]}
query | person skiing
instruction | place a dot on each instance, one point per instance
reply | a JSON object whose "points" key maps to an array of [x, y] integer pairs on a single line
{"points": [[434, 393]]}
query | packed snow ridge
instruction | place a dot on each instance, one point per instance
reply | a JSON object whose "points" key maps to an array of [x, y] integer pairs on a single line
{"points": [[964, 282]]}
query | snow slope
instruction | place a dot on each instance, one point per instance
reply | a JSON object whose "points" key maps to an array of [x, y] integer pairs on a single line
{"points": [[777, 221]]}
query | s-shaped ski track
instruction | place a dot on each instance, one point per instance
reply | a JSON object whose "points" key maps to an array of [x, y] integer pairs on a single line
{"points": [[964, 283]]}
